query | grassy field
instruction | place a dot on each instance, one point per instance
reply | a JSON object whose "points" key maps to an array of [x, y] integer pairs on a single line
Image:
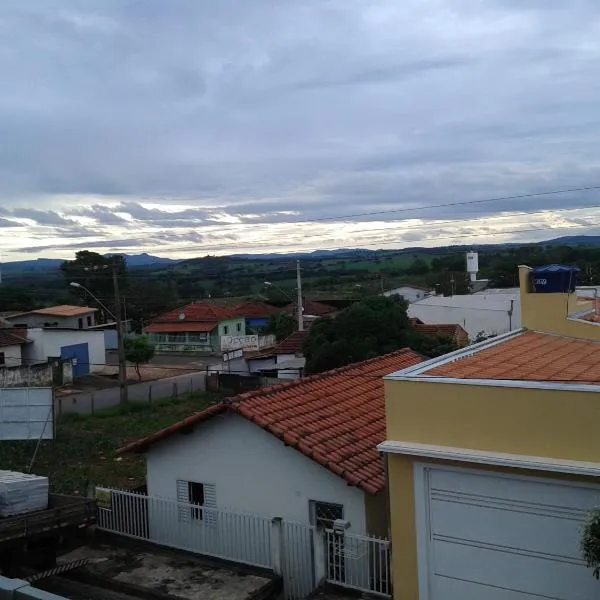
{"points": [[83, 451]]}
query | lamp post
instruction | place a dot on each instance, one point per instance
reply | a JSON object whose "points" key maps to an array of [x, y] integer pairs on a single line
{"points": [[123, 392]]}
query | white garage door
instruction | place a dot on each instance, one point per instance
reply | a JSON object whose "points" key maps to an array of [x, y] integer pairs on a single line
{"points": [[495, 537]]}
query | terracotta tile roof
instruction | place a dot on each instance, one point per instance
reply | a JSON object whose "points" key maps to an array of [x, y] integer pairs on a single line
{"points": [[8, 337], [530, 356], [335, 418], [312, 307], [180, 327], [253, 309], [453, 331], [63, 310], [292, 344], [197, 311]]}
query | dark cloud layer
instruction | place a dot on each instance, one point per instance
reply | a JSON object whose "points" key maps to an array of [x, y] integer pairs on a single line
{"points": [[262, 113]]}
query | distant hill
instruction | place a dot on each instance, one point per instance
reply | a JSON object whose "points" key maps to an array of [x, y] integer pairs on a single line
{"points": [[574, 240], [53, 264], [148, 261]]}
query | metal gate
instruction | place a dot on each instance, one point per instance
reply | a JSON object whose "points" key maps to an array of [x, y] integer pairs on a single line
{"points": [[298, 560], [79, 354]]}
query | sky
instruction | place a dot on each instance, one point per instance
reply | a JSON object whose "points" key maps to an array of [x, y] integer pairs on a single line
{"points": [[186, 128]]}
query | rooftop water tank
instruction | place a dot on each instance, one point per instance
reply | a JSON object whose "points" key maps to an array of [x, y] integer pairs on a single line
{"points": [[555, 279]]}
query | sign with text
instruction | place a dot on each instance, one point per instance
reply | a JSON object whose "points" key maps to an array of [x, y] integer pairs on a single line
{"points": [[236, 342]]}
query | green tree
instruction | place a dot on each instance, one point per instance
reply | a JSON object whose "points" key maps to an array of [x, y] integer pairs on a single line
{"points": [[139, 350], [282, 325], [94, 271], [374, 326], [418, 267]]}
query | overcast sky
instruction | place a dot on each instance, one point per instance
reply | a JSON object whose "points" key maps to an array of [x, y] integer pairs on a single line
{"points": [[185, 128]]}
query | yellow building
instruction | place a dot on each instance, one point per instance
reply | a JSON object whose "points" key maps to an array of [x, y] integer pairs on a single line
{"points": [[493, 460]]}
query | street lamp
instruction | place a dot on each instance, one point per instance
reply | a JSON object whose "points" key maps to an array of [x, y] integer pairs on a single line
{"points": [[74, 284], [123, 392]]}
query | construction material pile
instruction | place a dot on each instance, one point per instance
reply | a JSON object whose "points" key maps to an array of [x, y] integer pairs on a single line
{"points": [[21, 493]]}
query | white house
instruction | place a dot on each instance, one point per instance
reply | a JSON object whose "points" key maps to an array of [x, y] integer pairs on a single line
{"points": [[84, 347], [489, 312], [65, 316], [11, 347], [411, 293], [304, 450]]}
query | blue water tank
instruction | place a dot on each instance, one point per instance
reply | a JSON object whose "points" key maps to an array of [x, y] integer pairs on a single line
{"points": [[555, 279]]}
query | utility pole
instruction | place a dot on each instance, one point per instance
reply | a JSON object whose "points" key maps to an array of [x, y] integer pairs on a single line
{"points": [[300, 307], [120, 338]]}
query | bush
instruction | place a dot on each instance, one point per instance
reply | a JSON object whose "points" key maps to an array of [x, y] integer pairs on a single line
{"points": [[590, 542]]}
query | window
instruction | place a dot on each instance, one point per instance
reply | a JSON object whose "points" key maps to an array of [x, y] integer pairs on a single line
{"points": [[198, 338], [89, 321], [2, 359], [323, 514], [225, 329], [202, 496], [239, 327], [80, 323]]}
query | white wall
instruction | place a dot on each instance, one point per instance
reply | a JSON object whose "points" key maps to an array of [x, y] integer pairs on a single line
{"points": [[12, 356], [289, 373], [252, 471], [491, 318], [410, 294], [35, 320], [48, 342]]}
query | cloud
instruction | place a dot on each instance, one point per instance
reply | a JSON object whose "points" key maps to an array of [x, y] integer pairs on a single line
{"points": [[242, 119]]}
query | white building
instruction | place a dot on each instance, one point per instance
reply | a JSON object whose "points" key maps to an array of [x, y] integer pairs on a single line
{"points": [[490, 312], [304, 451], [84, 347], [11, 347], [65, 316], [410, 293]]}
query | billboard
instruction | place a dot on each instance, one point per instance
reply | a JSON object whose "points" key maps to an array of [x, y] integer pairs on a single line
{"points": [[26, 414], [237, 342]]}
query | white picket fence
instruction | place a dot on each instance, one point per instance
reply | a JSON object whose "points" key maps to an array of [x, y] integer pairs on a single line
{"points": [[303, 555]]}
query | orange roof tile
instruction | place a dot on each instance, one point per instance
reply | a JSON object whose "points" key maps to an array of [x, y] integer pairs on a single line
{"points": [[180, 327], [311, 307], [530, 356], [197, 311], [336, 418], [292, 344], [63, 310], [449, 329], [10, 337], [254, 309]]}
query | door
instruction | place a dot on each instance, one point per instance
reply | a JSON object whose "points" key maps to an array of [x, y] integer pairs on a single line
{"points": [[501, 537], [79, 354]]}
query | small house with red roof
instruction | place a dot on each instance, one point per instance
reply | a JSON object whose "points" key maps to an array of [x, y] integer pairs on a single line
{"points": [[257, 314], [305, 451], [196, 327]]}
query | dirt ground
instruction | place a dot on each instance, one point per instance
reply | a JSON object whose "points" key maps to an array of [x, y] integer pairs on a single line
{"points": [[173, 573]]}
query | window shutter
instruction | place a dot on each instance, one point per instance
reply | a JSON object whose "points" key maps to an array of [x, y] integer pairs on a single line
{"points": [[210, 502], [183, 496]]}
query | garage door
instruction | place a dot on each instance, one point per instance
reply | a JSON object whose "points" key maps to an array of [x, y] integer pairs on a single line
{"points": [[495, 537]]}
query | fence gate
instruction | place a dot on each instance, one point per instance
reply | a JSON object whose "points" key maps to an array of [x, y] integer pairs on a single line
{"points": [[298, 560]]}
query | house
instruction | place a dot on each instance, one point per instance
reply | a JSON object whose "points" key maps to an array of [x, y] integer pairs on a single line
{"points": [[304, 450], [85, 348], [196, 327], [454, 332], [486, 313], [410, 292], [63, 316], [493, 457], [257, 314], [311, 310], [283, 361], [11, 347]]}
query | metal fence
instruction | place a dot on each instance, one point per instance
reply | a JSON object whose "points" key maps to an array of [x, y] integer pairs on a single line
{"points": [[303, 555], [358, 562], [88, 403], [242, 538]]}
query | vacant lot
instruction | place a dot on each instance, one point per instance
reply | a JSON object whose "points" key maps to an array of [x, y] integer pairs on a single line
{"points": [[83, 452]]}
